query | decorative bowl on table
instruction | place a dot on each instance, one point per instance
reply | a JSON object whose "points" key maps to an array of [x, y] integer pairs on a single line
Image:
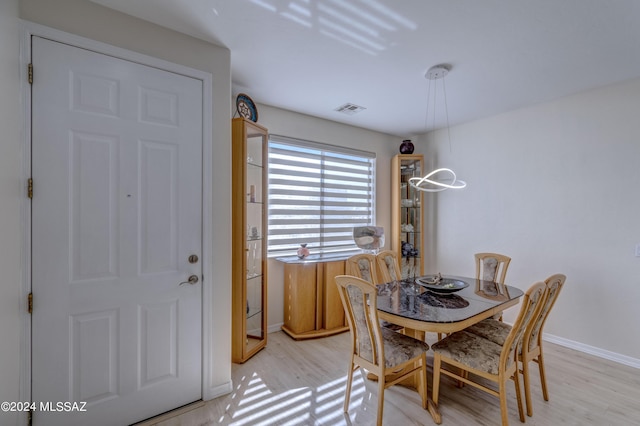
{"points": [[440, 284]]}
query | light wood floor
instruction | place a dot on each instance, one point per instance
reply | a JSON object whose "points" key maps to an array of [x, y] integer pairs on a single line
{"points": [[303, 383]]}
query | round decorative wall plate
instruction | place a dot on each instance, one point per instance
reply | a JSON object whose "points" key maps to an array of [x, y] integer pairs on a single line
{"points": [[246, 108]]}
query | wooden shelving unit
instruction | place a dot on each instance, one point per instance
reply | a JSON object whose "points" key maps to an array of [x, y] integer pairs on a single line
{"points": [[407, 212], [249, 239]]}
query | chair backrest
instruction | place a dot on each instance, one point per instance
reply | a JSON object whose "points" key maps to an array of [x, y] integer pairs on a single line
{"points": [[363, 266], [492, 267], [388, 266], [359, 301], [532, 302], [533, 335]]}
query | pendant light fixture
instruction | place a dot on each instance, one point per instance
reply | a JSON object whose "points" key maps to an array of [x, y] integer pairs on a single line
{"points": [[442, 178]]}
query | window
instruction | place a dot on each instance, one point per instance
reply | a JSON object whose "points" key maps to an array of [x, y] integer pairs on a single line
{"points": [[317, 194]]}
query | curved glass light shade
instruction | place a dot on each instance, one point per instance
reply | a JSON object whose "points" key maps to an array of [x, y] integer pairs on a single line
{"points": [[427, 184]]}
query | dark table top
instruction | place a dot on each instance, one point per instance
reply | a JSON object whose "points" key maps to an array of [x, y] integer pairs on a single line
{"points": [[410, 300]]}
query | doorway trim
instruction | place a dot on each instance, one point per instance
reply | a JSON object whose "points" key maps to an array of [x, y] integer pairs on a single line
{"points": [[30, 29]]}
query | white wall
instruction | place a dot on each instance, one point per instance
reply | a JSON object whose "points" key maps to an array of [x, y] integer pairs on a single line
{"points": [[554, 186], [10, 197], [287, 123], [90, 20]]}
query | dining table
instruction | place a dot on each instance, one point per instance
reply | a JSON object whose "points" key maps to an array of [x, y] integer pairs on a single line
{"points": [[446, 307], [442, 304]]}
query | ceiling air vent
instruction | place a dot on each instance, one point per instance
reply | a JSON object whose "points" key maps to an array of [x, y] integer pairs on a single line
{"points": [[350, 109]]}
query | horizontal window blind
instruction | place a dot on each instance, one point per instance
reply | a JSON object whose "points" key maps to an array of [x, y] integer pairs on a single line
{"points": [[317, 194]]}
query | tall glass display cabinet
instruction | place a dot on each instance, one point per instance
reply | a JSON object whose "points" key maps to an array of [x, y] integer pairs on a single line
{"points": [[248, 239], [407, 236]]}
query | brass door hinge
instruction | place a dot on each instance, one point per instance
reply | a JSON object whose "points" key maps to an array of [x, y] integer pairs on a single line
{"points": [[30, 73], [30, 303], [30, 188]]}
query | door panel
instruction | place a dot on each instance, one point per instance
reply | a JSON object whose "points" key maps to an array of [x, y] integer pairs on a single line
{"points": [[158, 190], [158, 342], [117, 163], [93, 172], [94, 356]]}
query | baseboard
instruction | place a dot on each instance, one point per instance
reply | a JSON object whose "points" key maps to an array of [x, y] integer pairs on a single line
{"points": [[275, 327], [592, 350], [216, 391], [170, 414]]}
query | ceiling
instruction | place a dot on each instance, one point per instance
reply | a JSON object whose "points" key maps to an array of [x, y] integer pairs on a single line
{"points": [[312, 56]]}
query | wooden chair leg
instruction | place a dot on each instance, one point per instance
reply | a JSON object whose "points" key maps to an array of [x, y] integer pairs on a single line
{"points": [[543, 380], [504, 410], [465, 374], [516, 381], [422, 382], [526, 375], [437, 362], [381, 384], [347, 392]]}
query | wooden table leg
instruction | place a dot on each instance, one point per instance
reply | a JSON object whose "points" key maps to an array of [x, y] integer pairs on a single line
{"points": [[434, 411], [411, 382], [416, 334]]}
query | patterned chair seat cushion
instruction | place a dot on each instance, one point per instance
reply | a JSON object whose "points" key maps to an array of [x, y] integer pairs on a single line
{"points": [[491, 329], [399, 348], [470, 349]]}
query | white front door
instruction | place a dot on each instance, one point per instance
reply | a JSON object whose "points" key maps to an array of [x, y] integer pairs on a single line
{"points": [[116, 214]]}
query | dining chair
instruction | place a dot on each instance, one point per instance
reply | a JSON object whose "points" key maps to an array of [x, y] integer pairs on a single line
{"points": [[364, 265], [391, 356], [531, 347], [470, 353], [532, 341], [492, 267], [388, 266]]}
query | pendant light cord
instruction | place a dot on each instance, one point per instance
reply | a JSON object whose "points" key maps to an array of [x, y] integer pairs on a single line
{"points": [[429, 183], [446, 108], [446, 111]]}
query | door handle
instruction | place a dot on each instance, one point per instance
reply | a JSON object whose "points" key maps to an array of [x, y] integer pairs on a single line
{"points": [[192, 280]]}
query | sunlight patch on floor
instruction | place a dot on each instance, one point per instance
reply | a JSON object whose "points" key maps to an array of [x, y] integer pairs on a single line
{"points": [[255, 404]]}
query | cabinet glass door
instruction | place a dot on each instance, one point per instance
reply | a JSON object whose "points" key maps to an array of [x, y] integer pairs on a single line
{"points": [[249, 239], [410, 213], [255, 242], [407, 239]]}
